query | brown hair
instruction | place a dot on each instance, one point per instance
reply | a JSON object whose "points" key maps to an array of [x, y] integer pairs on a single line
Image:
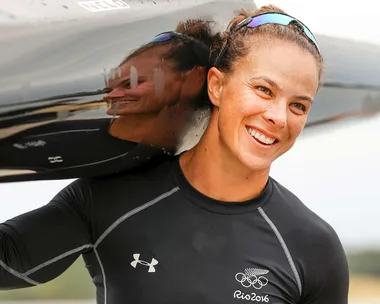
{"points": [[185, 54], [238, 46]]}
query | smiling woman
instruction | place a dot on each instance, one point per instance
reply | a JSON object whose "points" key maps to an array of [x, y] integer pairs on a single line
{"points": [[209, 225], [266, 72], [159, 85], [152, 97], [267, 97], [261, 101]]}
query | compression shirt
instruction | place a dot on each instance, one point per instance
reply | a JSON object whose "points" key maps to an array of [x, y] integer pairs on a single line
{"points": [[69, 149], [150, 237]]}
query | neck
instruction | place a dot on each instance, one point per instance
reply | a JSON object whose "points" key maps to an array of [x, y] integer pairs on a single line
{"points": [[213, 171]]}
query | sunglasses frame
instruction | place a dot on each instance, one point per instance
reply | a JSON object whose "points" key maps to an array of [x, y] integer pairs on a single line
{"points": [[289, 20], [185, 39], [172, 34]]}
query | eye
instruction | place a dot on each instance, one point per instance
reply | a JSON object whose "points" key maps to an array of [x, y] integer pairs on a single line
{"points": [[299, 107], [126, 84], [264, 90]]}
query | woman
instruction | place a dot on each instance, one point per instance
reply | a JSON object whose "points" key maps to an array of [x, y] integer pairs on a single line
{"points": [[209, 226], [158, 82], [152, 94]]}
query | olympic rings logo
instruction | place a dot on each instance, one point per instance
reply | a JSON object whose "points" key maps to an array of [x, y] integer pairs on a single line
{"points": [[246, 281]]}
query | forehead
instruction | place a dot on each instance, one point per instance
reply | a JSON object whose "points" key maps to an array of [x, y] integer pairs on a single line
{"points": [[144, 63], [148, 59], [285, 63]]}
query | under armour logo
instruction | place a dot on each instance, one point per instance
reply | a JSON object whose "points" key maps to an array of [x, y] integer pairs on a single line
{"points": [[56, 159], [137, 260]]}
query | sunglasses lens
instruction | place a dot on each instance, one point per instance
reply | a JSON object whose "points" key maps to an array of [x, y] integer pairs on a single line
{"points": [[280, 19], [162, 37]]}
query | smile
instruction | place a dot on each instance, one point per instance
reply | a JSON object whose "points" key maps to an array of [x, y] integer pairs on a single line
{"points": [[261, 138], [121, 102]]}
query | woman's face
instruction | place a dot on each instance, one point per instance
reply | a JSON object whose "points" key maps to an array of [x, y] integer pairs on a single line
{"points": [[145, 84], [261, 107]]}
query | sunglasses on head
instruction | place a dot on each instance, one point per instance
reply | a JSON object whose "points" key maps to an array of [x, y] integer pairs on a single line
{"points": [[266, 18], [165, 36], [198, 48]]}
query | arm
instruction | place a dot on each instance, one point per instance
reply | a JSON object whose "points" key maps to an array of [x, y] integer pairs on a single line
{"points": [[38, 246]]}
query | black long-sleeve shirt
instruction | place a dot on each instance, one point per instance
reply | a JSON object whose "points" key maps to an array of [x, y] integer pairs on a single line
{"points": [[150, 237], [71, 149]]}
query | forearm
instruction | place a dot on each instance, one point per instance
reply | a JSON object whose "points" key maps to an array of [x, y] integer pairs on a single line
{"points": [[38, 246]]}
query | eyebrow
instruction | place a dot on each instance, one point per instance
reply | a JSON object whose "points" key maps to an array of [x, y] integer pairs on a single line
{"points": [[274, 84], [120, 81]]}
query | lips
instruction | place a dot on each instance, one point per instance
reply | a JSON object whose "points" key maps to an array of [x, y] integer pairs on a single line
{"points": [[112, 103]]}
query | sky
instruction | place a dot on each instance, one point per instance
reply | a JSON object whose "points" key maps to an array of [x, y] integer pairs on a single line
{"points": [[335, 172]]}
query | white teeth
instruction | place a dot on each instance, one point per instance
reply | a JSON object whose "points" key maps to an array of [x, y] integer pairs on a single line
{"points": [[261, 137], [120, 102]]}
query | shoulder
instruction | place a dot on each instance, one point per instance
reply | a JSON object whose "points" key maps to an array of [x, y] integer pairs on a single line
{"points": [[313, 244], [133, 187], [297, 221], [105, 199], [145, 178], [297, 214]]}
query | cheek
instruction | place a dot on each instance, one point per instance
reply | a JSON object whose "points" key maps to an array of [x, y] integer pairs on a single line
{"points": [[172, 83], [296, 125], [142, 88], [238, 102], [250, 104]]}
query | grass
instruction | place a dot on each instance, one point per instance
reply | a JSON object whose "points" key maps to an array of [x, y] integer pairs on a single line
{"points": [[364, 287]]}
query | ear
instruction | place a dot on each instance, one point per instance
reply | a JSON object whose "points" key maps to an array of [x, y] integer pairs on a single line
{"points": [[215, 82]]}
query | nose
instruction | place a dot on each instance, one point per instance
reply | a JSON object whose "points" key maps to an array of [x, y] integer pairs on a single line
{"points": [[115, 93], [276, 114]]}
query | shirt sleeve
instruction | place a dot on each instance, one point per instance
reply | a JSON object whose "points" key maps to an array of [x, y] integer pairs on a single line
{"points": [[38, 246], [326, 272]]}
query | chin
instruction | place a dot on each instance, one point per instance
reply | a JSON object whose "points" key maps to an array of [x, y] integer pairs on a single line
{"points": [[255, 163], [111, 112], [118, 113], [121, 112]]}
